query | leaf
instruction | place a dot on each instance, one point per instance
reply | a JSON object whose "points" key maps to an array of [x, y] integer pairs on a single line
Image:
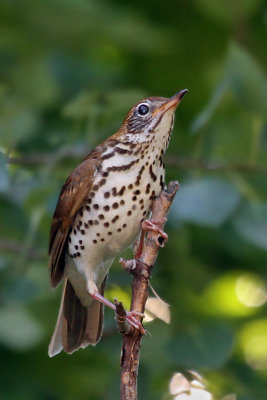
{"points": [[18, 329], [205, 115], [209, 345], [4, 180], [226, 14], [247, 80], [17, 120], [251, 223], [206, 202], [157, 308], [231, 396]]}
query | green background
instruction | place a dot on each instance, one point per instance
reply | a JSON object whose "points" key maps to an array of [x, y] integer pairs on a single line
{"points": [[69, 72]]}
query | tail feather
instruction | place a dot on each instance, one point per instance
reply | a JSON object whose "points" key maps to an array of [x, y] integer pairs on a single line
{"points": [[77, 326]]}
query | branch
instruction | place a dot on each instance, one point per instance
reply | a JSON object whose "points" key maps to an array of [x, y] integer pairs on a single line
{"points": [[18, 248], [172, 160], [141, 271]]}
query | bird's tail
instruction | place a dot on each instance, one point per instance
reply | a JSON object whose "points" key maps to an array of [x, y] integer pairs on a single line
{"points": [[77, 326]]}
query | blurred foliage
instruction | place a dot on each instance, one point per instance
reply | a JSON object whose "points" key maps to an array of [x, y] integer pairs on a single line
{"points": [[69, 72]]}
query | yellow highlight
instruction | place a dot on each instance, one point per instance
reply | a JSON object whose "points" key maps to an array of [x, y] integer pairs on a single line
{"points": [[120, 295], [253, 340], [231, 296]]}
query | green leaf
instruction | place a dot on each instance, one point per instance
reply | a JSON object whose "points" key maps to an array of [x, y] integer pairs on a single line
{"points": [[17, 120], [4, 180], [251, 223], [206, 202], [18, 329], [227, 13], [209, 345], [247, 80]]}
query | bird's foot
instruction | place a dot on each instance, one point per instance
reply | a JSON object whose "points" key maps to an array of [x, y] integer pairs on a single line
{"points": [[132, 316], [132, 320], [152, 225]]}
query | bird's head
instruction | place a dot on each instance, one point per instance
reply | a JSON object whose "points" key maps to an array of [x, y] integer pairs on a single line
{"points": [[151, 119]]}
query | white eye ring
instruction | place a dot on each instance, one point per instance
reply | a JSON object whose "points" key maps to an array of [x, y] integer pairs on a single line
{"points": [[143, 109]]}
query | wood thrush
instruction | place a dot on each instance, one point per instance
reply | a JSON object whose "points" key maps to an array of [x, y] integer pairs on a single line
{"points": [[100, 212]]}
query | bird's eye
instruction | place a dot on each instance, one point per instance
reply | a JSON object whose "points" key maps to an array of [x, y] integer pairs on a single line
{"points": [[143, 109]]}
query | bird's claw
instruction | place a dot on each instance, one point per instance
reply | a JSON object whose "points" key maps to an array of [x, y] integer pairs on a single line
{"points": [[130, 315], [151, 225]]}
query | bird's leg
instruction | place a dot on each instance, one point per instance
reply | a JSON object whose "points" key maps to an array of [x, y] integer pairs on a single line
{"points": [[130, 315], [152, 225], [139, 247]]}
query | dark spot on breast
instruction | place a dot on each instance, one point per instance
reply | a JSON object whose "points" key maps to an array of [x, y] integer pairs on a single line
{"points": [[106, 224], [124, 225], [120, 193], [74, 231], [92, 194], [119, 230], [130, 186], [88, 208], [109, 233], [82, 247], [76, 247], [105, 174], [129, 213], [101, 216], [115, 219], [80, 241], [134, 207], [115, 205], [102, 182], [96, 206], [69, 239], [106, 208], [89, 201], [78, 254], [122, 202], [136, 192], [98, 234], [102, 240], [86, 225], [82, 231], [90, 222], [148, 186], [96, 222], [81, 213], [80, 223], [94, 241], [95, 188], [134, 198], [106, 195], [151, 173]]}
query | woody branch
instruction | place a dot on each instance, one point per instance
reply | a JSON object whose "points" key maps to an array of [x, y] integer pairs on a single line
{"points": [[141, 271]]}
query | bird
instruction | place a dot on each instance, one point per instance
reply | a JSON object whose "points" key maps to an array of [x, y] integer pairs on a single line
{"points": [[101, 210]]}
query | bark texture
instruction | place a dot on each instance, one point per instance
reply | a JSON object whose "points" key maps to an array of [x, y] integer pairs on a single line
{"points": [[141, 270]]}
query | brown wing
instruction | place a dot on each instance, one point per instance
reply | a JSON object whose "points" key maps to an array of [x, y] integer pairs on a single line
{"points": [[71, 199]]}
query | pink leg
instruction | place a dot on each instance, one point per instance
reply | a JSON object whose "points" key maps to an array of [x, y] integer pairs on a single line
{"points": [[131, 315], [140, 245], [151, 225]]}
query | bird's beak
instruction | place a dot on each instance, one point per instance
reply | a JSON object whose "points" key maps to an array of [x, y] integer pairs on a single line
{"points": [[172, 102]]}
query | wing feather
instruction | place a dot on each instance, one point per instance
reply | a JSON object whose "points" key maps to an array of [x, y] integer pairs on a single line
{"points": [[71, 199]]}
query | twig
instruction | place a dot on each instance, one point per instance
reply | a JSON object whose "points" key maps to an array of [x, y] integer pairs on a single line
{"points": [[173, 160], [18, 248], [141, 271]]}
